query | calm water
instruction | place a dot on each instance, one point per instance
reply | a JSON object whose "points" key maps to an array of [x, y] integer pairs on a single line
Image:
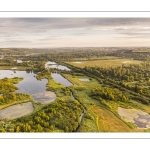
{"points": [[36, 88], [84, 79], [138, 117], [60, 67], [16, 111], [82, 114], [47, 65], [60, 79], [30, 85], [72, 96], [51, 64]]}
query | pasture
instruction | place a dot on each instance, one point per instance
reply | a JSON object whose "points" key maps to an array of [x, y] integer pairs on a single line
{"points": [[109, 62], [108, 122]]}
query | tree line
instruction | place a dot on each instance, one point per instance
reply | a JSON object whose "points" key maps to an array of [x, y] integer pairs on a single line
{"points": [[62, 115]]}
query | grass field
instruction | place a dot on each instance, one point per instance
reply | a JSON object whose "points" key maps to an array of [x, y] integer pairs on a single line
{"points": [[21, 68], [104, 63], [108, 122], [51, 83]]}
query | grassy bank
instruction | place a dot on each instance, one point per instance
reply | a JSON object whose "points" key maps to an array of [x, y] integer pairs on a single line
{"points": [[21, 98], [21, 68]]}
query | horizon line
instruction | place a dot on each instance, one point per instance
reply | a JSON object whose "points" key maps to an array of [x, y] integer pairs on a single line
{"points": [[82, 47]]}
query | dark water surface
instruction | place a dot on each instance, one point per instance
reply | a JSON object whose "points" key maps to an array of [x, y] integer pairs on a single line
{"points": [[60, 79]]}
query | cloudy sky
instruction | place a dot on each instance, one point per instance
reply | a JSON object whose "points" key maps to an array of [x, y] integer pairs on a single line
{"points": [[74, 32]]}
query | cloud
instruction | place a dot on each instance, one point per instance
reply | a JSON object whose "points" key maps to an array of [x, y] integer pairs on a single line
{"points": [[70, 23], [43, 30]]}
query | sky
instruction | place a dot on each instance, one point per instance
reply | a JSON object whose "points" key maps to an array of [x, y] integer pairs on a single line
{"points": [[74, 32]]}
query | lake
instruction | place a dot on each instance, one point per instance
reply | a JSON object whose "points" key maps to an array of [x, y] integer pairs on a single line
{"points": [[30, 85]]}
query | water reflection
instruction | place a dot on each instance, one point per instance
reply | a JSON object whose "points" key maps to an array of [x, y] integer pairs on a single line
{"points": [[16, 111], [47, 64], [44, 97], [30, 85], [60, 79], [51, 64], [60, 67]]}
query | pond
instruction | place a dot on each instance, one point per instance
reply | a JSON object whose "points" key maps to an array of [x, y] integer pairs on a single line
{"points": [[30, 85], [16, 111], [84, 79], [60, 79], [138, 117], [44, 97], [60, 67], [47, 64], [51, 64]]}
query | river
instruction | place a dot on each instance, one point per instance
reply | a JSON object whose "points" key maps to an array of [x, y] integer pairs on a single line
{"points": [[81, 116]]}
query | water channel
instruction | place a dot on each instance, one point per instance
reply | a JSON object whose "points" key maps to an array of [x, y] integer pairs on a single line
{"points": [[81, 116]]}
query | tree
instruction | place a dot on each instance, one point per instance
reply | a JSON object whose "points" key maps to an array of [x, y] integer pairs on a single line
{"points": [[17, 128], [39, 128], [131, 78]]}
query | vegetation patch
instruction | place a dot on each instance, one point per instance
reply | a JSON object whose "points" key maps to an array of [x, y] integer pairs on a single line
{"points": [[108, 122], [8, 96], [62, 115]]}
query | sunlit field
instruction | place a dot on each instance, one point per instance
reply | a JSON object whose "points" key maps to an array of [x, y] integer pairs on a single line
{"points": [[105, 63]]}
